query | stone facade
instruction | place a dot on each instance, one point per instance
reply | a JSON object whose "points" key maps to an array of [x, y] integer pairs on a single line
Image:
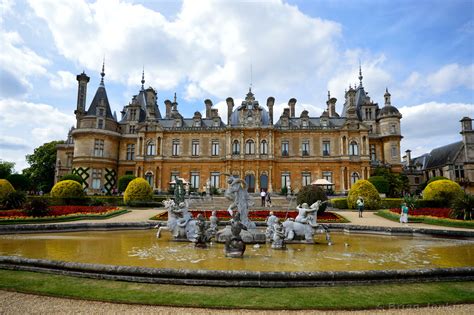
{"points": [[290, 152]]}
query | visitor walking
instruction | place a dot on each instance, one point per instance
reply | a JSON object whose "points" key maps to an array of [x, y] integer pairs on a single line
{"points": [[268, 200], [404, 213], [360, 206], [263, 194]]}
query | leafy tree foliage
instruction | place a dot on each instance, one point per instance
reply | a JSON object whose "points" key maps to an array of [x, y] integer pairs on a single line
{"points": [[123, 182], [398, 183], [42, 164], [463, 207], [381, 183], [6, 168], [19, 182], [73, 177], [310, 194]]}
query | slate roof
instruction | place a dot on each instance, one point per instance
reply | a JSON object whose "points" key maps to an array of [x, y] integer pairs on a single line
{"points": [[442, 155], [189, 123], [295, 122], [100, 94]]}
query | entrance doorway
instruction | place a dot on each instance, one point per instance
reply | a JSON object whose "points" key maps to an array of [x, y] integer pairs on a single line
{"points": [[264, 182], [250, 180]]}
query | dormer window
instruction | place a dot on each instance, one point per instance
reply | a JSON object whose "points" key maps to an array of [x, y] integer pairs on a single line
{"points": [[101, 112], [324, 123], [304, 123], [216, 123], [133, 114], [197, 123], [100, 124], [178, 123]]}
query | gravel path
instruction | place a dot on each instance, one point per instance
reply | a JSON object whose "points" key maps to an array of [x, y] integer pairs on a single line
{"points": [[20, 303]]}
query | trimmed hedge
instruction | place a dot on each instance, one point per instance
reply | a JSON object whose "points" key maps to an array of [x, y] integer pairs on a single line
{"points": [[387, 203], [339, 203], [67, 189], [90, 200], [138, 190], [5, 188], [443, 190], [433, 179], [381, 184], [367, 191]]}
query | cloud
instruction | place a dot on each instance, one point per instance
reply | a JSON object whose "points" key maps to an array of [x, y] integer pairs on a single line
{"points": [[10, 85], [63, 80], [430, 125], [13, 143]]}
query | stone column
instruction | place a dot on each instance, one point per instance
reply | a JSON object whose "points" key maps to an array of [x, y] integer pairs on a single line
{"points": [[242, 144], [343, 186]]}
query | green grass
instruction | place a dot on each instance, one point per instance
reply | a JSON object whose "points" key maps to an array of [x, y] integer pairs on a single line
{"points": [[67, 218], [387, 214], [337, 297]]}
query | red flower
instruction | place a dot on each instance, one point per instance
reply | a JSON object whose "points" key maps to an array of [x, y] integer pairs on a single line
{"points": [[433, 212]]}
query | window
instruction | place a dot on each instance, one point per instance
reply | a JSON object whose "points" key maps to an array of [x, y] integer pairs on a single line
{"points": [[458, 171], [249, 147], [131, 129], [304, 123], [394, 151], [98, 147], [216, 123], [305, 147], [215, 147], [149, 178], [285, 179], [215, 179], [263, 147], [373, 155], [195, 180], [236, 147], [128, 172], [285, 145], [69, 160], [133, 114], [326, 148], [130, 152], [417, 180], [355, 177], [306, 178], [100, 124], [175, 148], [197, 123], [368, 113], [96, 177], [174, 176], [178, 123], [101, 112], [393, 129], [150, 148], [327, 176], [195, 148], [353, 148]]}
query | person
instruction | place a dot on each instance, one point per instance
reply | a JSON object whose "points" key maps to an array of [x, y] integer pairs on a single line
{"points": [[404, 213], [360, 206], [268, 200], [263, 194]]}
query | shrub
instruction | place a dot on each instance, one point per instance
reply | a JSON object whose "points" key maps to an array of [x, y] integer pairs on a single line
{"points": [[138, 190], [96, 202], [433, 179], [367, 191], [443, 190], [463, 207], [5, 188], [381, 184], [423, 203], [14, 200], [310, 194], [73, 177], [19, 182], [123, 182], [37, 207], [339, 203], [67, 189], [388, 203]]}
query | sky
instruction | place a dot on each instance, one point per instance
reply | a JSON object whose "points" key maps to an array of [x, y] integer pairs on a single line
{"points": [[422, 51]]}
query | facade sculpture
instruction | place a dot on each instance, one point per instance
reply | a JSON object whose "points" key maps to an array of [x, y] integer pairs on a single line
{"points": [[267, 152]]}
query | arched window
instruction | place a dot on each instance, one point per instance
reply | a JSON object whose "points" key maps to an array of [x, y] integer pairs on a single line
{"points": [[263, 147], [150, 148], [353, 148], [249, 147], [149, 178], [236, 147], [355, 177]]}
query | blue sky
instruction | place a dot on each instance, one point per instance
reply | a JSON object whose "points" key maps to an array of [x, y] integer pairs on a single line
{"points": [[421, 50]]}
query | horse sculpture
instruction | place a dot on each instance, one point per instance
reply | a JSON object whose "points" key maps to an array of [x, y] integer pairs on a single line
{"points": [[180, 222]]}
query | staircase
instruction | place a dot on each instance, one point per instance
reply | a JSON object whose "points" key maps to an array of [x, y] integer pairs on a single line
{"points": [[279, 203]]}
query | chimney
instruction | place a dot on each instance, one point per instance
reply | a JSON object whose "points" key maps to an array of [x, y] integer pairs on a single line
{"points": [[230, 108], [82, 80], [291, 104], [208, 103], [270, 103], [408, 154], [168, 108], [332, 106], [286, 112]]}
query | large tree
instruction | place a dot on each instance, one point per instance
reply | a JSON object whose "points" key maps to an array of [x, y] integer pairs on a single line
{"points": [[6, 168], [42, 164]]}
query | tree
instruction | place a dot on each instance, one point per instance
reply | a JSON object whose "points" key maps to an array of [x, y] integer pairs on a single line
{"points": [[6, 168], [19, 182], [398, 183], [42, 164], [74, 177], [123, 182]]}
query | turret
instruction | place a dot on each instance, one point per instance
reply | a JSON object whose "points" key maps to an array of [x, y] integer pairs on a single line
{"points": [[208, 103], [270, 103], [468, 138], [230, 108], [291, 104], [82, 80], [168, 108], [387, 98]]}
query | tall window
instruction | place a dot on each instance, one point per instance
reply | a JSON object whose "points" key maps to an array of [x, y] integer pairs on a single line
{"points": [[249, 147], [150, 148], [327, 176], [285, 179], [236, 147], [98, 147], [195, 180], [101, 112], [306, 178], [355, 177], [394, 151], [353, 148], [285, 147], [393, 129], [263, 147], [96, 177], [133, 114], [326, 148], [149, 178], [195, 148], [215, 179], [131, 129], [175, 148], [373, 155], [100, 124], [215, 147], [130, 152], [458, 171], [305, 147]]}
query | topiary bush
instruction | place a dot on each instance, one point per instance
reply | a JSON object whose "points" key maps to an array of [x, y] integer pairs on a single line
{"points": [[381, 184], [5, 188], [73, 177], [138, 190], [365, 189], [443, 190], [123, 182], [310, 194], [14, 200], [67, 189], [37, 207], [339, 203]]}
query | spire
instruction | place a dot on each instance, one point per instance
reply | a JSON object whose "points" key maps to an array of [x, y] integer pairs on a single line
{"points": [[102, 74], [175, 97], [329, 95], [143, 78], [360, 74]]}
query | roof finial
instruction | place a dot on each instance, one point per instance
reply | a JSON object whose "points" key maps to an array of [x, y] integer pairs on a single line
{"points": [[329, 95], [102, 74], [143, 78], [175, 97], [250, 88], [360, 73]]}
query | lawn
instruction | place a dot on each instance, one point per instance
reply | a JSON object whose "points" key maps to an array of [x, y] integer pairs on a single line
{"points": [[437, 217]]}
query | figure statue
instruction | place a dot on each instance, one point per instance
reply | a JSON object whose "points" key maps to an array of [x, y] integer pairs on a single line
{"points": [[305, 222], [213, 223], [271, 221], [240, 200], [278, 237], [179, 191], [234, 245], [180, 222], [201, 235]]}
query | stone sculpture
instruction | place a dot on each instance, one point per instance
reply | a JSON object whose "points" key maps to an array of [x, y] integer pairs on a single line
{"points": [[278, 236], [240, 200], [180, 222], [234, 245], [271, 221], [201, 232], [302, 228]]}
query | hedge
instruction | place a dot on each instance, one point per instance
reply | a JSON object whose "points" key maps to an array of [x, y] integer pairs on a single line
{"points": [[339, 203], [387, 203], [107, 200], [365, 189]]}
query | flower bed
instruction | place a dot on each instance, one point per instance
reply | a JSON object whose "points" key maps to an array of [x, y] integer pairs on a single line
{"points": [[429, 217], [432, 212], [261, 215]]}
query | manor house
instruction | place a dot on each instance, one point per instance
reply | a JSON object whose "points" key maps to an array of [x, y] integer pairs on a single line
{"points": [[271, 153]]}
